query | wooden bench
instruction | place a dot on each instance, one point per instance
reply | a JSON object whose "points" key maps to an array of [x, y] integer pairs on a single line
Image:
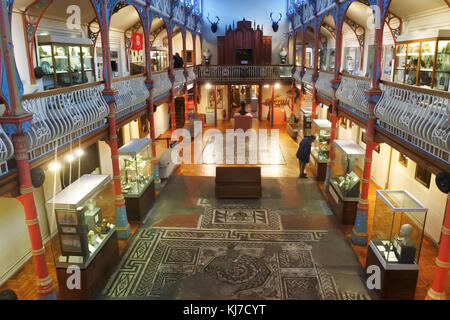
{"points": [[238, 182]]}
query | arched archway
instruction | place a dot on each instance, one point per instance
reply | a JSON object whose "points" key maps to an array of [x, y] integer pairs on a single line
{"points": [[159, 45], [327, 44], [198, 49], [190, 54], [298, 45], [310, 43], [177, 45]]}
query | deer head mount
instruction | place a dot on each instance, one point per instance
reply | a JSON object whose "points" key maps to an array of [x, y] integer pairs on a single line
{"points": [[213, 24], [275, 25]]}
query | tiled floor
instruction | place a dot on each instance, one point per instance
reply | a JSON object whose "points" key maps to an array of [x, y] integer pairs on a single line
{"points": [[299, 205]]}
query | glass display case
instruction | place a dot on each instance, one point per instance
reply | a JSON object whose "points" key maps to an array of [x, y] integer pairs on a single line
{"points": [[159, 59], [398, 225], [305, 121], [423, 63], [136, 167], [344, 179], [321, 129], [65, 65], [396, 240], [442, 71], [82, 229], [136, 171]]}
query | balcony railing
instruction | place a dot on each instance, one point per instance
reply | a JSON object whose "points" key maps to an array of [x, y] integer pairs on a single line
{"points": [[6, 151], [191, 75], [351, 94], [418, 116], [323, 84], [245, 73], [297, 77], [180, 79], [162, 84], [61, 115], [307, 78], [133, 94]]}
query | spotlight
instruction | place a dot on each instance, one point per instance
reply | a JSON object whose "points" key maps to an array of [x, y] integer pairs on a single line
{"points": [[277, 86], [266, 86], [208, 86], [79, 152], [70, 158], [54, 166]]}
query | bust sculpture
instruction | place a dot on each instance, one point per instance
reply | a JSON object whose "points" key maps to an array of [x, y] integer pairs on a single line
{"points": [[207, 56], [404, 236], [283, 55], [242, 111]]}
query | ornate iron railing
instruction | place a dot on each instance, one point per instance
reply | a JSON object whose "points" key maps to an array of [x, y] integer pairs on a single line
{"points": [[161, 84], [351, 94], [308, 76], [63, 116], [191, 75], [418, 116], [323, 84], [6, 151], [296, 76], [324, 5], [180, 79], [133, 94], [245, 73]]}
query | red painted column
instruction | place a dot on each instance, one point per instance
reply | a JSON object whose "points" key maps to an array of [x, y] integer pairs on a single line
{"points": [[45, 285], [260, 98], [437, 290], [171, 77], [16, 123], [122, 226], [150, 85], [196, 95], [272, 106], [186, 110], [315, 102], [360, 232], [215, 105], [335, 85]]}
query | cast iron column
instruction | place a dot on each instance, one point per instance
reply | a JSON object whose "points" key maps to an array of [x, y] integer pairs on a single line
{"points": [[110, 95], [16, 123]]}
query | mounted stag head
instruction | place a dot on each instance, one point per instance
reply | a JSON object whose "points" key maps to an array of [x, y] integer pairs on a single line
{"points": [[213, 24], [275, 25]]}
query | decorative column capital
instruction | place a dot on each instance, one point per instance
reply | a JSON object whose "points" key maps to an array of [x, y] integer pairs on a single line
{"points": [[17, 124], [335, 83], [110, 95], [373, 95], [315, 76], [150, 84]]}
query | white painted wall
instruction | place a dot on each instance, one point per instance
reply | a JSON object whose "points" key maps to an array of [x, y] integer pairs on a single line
{"points": [[162, 118]]}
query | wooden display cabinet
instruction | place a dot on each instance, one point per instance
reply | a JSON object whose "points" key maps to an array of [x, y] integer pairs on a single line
{"points": [[423, 62]]}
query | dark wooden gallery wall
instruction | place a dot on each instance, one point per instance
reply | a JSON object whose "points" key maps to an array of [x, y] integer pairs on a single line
{"points": [[244, 37]]}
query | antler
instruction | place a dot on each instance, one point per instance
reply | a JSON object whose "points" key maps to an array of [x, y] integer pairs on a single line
{"points": [[218, 19], [271, 18]]}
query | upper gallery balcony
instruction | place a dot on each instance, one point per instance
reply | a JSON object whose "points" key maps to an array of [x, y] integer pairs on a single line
{"points": [[245, 73]]}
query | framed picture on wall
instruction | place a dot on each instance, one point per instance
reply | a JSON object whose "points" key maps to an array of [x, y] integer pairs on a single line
{"points": [[189, 56], [403, 160], [143, 126], [308, 59], [344, 122], [423, 176]]}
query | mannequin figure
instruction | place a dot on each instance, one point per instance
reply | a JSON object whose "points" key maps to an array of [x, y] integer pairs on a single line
{"points": [[283, 55]]}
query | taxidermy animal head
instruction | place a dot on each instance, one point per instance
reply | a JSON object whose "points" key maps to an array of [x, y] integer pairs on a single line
{"points": [[275, 25], [214, 24]]}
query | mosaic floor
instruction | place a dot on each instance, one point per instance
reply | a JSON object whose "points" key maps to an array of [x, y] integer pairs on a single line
{"points": [[244, 249]]}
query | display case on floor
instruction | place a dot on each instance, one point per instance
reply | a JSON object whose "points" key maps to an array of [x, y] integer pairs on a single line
{"points": [[396, 239], [84, 239], [136, 172], [320, 150], [345, 181], [305, 122]]}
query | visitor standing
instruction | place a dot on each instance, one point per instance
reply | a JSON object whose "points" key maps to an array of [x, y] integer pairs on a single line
{"points": [[303, 153]]}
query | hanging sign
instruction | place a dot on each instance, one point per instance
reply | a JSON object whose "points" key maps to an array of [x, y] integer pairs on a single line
{"points": [[138, 41]]}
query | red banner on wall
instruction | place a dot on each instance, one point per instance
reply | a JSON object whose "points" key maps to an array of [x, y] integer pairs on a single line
{"points": [[138, 41]]}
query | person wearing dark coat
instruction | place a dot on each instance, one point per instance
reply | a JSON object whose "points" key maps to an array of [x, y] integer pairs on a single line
{"points": [[303, 153], [177, 61]]}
